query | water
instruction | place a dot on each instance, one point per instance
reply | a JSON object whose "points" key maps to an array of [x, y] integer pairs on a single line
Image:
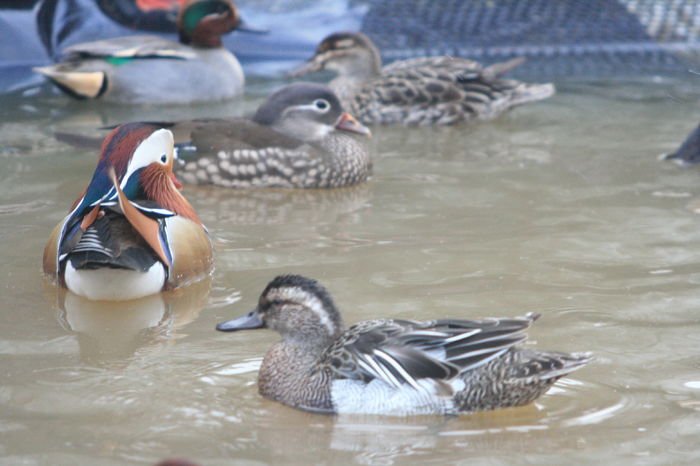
{"points": [[559, 208]]}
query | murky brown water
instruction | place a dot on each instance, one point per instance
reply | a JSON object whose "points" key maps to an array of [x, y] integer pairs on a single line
{"points": [[559, 208]]}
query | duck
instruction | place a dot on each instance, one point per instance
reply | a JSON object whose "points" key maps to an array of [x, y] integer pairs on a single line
{"points": [[154, 70], [394, 366], [299, 137], [131, 233], [420, 91]]}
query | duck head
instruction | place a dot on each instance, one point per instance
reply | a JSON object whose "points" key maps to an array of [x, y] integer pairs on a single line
{"points": [[135, 164], [201, 23], [298, 308], [307, 111], [347, 53]]}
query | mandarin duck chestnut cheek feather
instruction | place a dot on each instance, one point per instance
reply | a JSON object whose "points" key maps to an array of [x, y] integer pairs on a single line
{"points": [[394, 366], [154, 70], [131, 233], [420, 91], [300, 137]]}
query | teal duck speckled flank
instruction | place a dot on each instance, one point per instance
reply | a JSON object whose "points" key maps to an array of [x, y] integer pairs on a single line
{"points": [[392, 366], [298, 138], [419, 91], [154, 70], [131, 233]]}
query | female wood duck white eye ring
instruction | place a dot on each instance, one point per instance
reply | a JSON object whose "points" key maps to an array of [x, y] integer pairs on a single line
{"points": [[322, 104]]}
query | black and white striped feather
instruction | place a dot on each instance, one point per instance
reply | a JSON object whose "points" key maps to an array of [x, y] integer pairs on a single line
{"points": [[401, 352]]}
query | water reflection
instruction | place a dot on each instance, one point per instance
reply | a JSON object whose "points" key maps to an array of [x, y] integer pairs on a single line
{"points": [[555, 422], [279, 206], [114, 333]]}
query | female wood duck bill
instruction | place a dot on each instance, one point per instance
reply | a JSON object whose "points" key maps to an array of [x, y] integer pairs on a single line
{"points": [[131, 233], [394, 366], [419, 91], [300, 137], [154, 70]]}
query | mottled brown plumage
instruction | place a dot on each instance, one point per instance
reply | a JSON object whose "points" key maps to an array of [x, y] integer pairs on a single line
{"points": [[298, 138], [392, 366], [419, 91]]}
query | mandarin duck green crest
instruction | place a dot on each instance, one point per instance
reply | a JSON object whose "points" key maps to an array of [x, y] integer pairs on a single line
{"points": [[131, 233]]}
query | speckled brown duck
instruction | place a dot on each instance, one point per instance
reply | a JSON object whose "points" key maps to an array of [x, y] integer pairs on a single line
{"points": [[420, 91], [298, 138], [394, 366]]}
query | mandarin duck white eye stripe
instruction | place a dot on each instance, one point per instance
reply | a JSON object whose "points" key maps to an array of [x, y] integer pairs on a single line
{"points": [[148, 240]]}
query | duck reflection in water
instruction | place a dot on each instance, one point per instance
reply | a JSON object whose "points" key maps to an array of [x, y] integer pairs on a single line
{"points": [[278, 206], [117, 333]]}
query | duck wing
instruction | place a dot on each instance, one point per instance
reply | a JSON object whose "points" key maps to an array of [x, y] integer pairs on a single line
{"points": [[435, 63], [130, 47], [403, 352], [110, 241], [442, 91], [241, 153]]}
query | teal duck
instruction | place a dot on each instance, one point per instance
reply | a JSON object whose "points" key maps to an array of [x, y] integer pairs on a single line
{"points": [[298, 138], [154, 70], [394, 366], [420, 91]]}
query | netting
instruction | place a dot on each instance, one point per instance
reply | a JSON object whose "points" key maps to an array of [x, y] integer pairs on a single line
{"points": [[559, 37]]}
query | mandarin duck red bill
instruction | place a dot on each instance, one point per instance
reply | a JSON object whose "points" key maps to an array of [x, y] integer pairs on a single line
{"points": [[131, 233]]}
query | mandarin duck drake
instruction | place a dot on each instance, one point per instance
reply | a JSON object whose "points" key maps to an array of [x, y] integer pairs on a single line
{"points": [[154, 70], [131, 233], [394, 366], [419, 91], [298, 138]]}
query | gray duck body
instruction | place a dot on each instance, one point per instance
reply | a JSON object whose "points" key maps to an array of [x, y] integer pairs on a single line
{"points": [[289, 143], [392, 366], [420, 91], [153, 70]]}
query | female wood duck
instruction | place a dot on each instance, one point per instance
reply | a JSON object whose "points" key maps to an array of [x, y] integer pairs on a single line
{"points": [[153, 70], [419, 91], [131, 233], [392, 366], [298, 138]]}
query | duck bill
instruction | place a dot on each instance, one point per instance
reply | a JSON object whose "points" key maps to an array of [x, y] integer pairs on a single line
{"points": [[249, 321], [348, 123], [305, 68]]}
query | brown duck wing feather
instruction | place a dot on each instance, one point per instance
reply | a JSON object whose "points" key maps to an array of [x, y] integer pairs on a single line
{"points": [[238, 133], [244, 154], [445, 63], [441, 91]]}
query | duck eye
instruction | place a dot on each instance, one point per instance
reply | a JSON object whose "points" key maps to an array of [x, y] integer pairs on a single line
{"points": [[322, 104], [163, 158]]}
